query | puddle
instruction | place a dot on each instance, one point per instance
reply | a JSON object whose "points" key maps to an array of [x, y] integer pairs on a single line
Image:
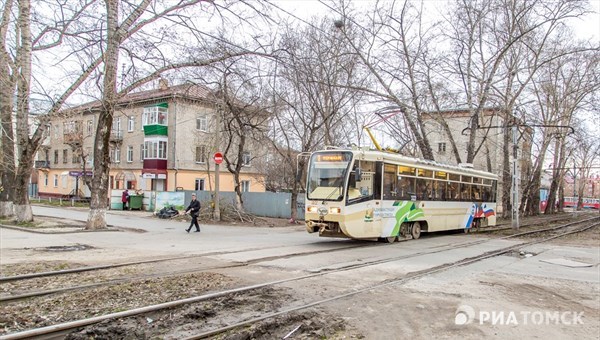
{"points": [[76, 247], [521, 254]]}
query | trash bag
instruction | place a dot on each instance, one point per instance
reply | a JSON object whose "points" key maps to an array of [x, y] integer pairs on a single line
{"points": [[167, 212]]}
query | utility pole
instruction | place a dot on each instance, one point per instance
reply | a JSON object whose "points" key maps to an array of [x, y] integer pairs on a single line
{"points": [[574, 187], [515, 181], [217, 212]]}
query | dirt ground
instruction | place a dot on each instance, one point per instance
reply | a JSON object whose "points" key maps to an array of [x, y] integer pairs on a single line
{"points": [[423, 308]]}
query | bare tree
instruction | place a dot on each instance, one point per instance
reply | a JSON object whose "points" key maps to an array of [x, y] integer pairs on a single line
{"points": [[85, 41], [586, 155], [392, 47], [7, 143], [244, 117], [314, 90], [563, 87]]}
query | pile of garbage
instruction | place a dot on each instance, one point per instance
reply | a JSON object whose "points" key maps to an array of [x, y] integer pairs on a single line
{"points": [[167, 212]]}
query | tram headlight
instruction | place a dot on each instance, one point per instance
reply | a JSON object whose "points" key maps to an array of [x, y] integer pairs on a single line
{"points": [[312, 209], [335, 210]]}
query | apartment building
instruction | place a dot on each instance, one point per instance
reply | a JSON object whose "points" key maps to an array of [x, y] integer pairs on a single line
{"points": [[161, 140], [489, 136]]}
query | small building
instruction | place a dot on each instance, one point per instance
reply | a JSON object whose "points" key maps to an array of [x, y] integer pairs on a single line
{"points": [[161, 140]]}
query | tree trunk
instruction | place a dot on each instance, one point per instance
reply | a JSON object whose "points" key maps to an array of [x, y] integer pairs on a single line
{"points": [[506, 178], [99, 196], [26, 151], [531, 192], [295, 190], [7, 90]]}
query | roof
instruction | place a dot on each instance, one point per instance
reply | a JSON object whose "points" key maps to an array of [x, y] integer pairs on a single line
{"points": [[381, 155], [185, 91]]}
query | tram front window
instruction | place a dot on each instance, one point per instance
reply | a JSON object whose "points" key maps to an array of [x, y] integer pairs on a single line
{"points": [[326, 175]]}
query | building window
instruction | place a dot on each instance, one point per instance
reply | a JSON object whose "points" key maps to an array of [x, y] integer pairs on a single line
{"points": [[142, 151], [117, 158], [155, 115], [201, 154], [55, 156], [441, 147], [55, 181], [199, 185], [130, 123], [56, 131], [129, 153], [76, 157], [45, 180], [116, 127], [202, 123], [246, 158], [88, 155], [65, 180], [155, 149], [90, 127], [65, 155], [245, 186]]}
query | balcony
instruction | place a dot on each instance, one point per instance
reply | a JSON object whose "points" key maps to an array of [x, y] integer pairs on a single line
{"points": [[42, 164], [116, 135], [73, 138]]}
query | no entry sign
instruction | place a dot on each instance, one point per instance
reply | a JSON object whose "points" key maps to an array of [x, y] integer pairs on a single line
{"points": [[218, 158]]}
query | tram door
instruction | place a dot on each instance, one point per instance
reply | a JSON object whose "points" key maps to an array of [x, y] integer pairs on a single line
{"points": [[370, 187]]}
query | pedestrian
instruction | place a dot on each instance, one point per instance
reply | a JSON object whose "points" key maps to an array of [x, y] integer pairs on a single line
{"points": [[125, 198], [194, 210]]}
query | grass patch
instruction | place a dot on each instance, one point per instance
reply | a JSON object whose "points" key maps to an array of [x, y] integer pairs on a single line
{"points": [[29, 224]]}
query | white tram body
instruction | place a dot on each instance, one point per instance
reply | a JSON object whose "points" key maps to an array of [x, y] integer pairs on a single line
{"points": [[365, 194]]}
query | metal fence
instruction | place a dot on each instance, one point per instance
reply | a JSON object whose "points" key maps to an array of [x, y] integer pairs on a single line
{"points": [[267, 204]]}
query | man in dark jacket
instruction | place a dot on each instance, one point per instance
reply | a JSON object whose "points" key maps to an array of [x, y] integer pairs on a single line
{"points": [[194, 210]]}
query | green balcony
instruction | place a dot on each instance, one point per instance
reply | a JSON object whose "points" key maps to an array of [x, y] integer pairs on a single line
{"points": [[155, 130]]}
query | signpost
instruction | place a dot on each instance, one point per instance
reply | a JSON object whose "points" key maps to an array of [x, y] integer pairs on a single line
{"points": [[218, 157]]}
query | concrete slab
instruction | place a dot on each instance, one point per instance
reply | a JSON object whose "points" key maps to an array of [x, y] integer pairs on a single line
{"points": [[567, 263]]}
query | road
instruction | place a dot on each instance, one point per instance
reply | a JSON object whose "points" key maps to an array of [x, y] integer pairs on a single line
{"points": [[532, 288]]}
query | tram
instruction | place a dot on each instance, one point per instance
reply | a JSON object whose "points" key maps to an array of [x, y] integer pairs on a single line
{"points": [[588, 203], [367, 194]]}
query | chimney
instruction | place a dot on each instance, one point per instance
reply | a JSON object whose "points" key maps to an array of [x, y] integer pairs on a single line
{"points": [[163, 84]]}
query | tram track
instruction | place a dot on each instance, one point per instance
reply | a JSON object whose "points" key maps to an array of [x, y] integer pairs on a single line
{"points": [[396, 281], [134, 263], [432, 250], [530, 223], [61, 328]]}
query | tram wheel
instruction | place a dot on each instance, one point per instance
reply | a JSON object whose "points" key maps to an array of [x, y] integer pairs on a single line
{"points": [[415, 230], [390, 239]]}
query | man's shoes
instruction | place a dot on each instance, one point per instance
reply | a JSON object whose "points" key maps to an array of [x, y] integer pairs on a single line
{"points": [[188, 230], [197, 231]]}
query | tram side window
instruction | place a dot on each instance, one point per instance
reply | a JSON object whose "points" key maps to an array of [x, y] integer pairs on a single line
{"points": [[453, 193], [476, 192], [406, 188], [465, 192], [493, 198], [486, 193], [439, 190], [390, 182], [424, 189]]}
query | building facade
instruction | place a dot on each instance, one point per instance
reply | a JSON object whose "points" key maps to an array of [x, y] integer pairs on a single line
{"points": [[161, 140], [490, 139]]}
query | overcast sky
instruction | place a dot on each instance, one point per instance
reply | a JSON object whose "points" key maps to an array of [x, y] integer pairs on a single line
{"points": [[586, 28]]}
